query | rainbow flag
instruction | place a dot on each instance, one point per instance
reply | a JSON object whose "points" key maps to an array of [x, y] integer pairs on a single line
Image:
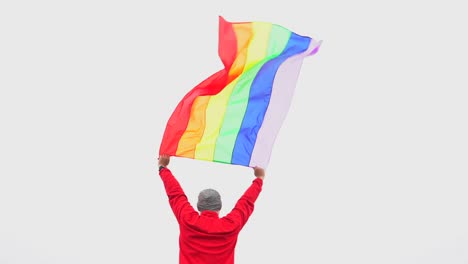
{"points": [[234, 115]]}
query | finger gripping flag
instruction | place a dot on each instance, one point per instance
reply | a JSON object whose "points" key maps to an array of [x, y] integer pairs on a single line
{"points": [[235, 114]]}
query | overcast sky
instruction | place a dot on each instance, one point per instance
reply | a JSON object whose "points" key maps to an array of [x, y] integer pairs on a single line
{"points": [[370, 165]]}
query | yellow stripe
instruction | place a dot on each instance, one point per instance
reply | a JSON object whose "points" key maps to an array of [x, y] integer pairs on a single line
{"points": [[258, 46], [214, 119]]}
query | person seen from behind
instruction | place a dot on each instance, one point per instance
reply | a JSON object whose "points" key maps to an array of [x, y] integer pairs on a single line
{"points": [[204, 236]]}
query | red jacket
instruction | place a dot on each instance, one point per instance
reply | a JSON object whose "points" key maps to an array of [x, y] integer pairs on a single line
{"points": [[205, 238]]}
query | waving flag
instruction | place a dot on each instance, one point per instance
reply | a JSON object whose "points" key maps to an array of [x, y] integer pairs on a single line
{"points": [[234, 115]]}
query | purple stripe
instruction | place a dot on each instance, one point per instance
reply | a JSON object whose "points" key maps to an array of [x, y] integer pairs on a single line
{"points": [[281, 96]]}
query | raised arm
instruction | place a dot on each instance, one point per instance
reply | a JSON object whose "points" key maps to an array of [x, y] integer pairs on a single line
{"points": [[177, 198], [245, 205]]}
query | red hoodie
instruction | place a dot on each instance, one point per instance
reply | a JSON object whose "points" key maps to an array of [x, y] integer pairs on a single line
{"points": [[205, 238]]}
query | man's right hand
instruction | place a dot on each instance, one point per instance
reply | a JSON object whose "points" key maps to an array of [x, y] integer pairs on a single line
{"points": [[259, 172], [164, 160]]}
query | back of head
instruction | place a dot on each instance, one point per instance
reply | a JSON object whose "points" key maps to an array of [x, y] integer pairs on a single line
{"points": [[210, 200]]}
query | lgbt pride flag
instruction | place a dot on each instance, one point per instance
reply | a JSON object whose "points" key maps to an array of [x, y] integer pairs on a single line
{"points": [[234, 115]]}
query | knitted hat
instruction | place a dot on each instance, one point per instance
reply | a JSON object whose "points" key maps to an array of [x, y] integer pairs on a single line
{"points": [[209, 199]]}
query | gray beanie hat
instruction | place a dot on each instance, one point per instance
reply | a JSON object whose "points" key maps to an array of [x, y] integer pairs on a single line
{"points": [[209, 199]]}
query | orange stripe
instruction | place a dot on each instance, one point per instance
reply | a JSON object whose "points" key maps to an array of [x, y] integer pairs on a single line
{"points": [[195, 128], [243, 34]]}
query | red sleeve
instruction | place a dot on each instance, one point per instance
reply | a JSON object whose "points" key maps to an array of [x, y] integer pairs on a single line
{"points": [[245, 205], [177, 198]]}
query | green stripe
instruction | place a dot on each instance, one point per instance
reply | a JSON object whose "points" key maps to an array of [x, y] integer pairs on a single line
{"points": [[234, 115], [279, 38]]}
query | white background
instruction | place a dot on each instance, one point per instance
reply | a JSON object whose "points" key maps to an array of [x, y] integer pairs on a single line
{"points": [[370, 165]]}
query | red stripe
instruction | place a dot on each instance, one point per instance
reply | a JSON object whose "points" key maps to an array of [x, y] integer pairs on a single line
{"points": [[227, 47]]}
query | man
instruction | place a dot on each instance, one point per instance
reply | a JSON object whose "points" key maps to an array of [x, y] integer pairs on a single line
{"points": [[205, 238]]}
